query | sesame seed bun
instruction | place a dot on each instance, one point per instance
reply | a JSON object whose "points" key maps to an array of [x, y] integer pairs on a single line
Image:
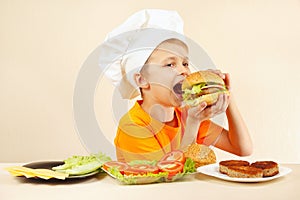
{"points": [[200, 154]]}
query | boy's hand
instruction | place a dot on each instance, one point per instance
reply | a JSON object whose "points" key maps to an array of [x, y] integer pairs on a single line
{"points": [[224, 76], [203, 112]]}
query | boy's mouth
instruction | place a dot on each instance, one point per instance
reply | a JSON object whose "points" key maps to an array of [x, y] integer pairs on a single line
{"points": [[177, 88]]}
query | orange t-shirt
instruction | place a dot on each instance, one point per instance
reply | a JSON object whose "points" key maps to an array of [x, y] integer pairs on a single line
{"points": [[141, 137]]}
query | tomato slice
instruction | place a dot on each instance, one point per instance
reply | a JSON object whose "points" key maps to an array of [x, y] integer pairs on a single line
{"points": [[172, 167], [175, 155], [141, 169], [120, 165]]}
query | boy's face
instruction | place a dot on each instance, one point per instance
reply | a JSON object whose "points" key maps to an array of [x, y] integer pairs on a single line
{"points": [[164, 71]]}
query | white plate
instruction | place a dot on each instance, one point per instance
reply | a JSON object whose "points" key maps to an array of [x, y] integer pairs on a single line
{"points": [[213, 170]]}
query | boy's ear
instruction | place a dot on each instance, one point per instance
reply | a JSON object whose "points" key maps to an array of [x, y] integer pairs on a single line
{"points": [[141, 81]]}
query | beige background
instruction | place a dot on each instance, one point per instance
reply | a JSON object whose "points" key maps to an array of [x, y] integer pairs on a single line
{"points": [[44, 43]]}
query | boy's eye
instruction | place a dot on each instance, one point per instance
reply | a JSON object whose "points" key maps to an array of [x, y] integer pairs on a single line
{"points": [[170, 65], [185, 64]]}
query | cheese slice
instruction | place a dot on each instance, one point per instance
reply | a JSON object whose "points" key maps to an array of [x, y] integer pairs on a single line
{"points": [[15, 173], [21, 171], [47, 173], [30, 173]]}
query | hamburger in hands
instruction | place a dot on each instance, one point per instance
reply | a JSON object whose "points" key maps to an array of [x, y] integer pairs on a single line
{"points": [[202, 86]]}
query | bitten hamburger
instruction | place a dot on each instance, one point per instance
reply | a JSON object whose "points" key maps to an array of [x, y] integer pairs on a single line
{"points": [[202, 86]]}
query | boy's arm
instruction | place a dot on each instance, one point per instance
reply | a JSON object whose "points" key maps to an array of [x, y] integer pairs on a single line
{"points": [[190, 132], [236, 139]]}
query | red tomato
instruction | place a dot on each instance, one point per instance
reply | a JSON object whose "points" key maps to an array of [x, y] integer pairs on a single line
{"points": [[172, 167], [141, 169], [176, 155], [120, 165]]}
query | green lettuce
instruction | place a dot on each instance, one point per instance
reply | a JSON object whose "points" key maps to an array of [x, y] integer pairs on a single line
{"points": [[189, 166], [197, 88], [194, 90], [79, 165]]}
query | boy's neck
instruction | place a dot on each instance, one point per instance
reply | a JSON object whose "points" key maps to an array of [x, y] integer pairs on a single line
{"points": [[159, 112]]}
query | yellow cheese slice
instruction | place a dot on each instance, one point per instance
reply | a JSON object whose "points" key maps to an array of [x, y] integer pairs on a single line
{"points": [[30, 173], [44, 173], [14, 173], [25, 171]]}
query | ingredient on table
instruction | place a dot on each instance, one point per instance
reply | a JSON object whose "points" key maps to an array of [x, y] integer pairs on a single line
{"points": [[172, 167], [200, 154], [175, 155], [141, 169], [80, 165], [119, 165], [40, 173], [243, 169], [169, 168]]}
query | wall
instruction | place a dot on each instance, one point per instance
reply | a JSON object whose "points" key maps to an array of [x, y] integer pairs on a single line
{"points": [[44, 44]]}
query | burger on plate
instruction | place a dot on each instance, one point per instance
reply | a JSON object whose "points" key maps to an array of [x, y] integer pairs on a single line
{"points": [[202, 86]]}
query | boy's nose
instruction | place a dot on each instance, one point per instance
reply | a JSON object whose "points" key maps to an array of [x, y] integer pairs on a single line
{"points": [[182, 70]]}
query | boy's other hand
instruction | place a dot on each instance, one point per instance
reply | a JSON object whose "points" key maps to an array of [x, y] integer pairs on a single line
{"points": [[224, 76]]}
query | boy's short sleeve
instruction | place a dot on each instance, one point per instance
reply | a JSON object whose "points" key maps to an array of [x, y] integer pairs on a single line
{"points": [[208, 132]]}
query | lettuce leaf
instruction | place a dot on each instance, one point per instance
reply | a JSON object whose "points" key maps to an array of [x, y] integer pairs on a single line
{"points": [[197, 88], [79, 165], [189, 166], [194, 90]]}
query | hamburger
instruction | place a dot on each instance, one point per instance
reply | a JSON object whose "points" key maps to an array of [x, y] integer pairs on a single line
{"points": [[202, 86]]}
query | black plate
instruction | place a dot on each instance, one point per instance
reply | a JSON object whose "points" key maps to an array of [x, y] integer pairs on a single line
{"points": [[50, 164]]}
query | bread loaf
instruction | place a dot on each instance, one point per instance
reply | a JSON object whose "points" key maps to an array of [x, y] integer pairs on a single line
{"points": [[200, 154]]}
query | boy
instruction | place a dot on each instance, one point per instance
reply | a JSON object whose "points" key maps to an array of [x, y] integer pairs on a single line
{"points": [[157, 124], [160, 123]]}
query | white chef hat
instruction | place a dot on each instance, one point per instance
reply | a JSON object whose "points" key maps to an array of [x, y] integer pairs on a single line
{"points": [[127, 48]]}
